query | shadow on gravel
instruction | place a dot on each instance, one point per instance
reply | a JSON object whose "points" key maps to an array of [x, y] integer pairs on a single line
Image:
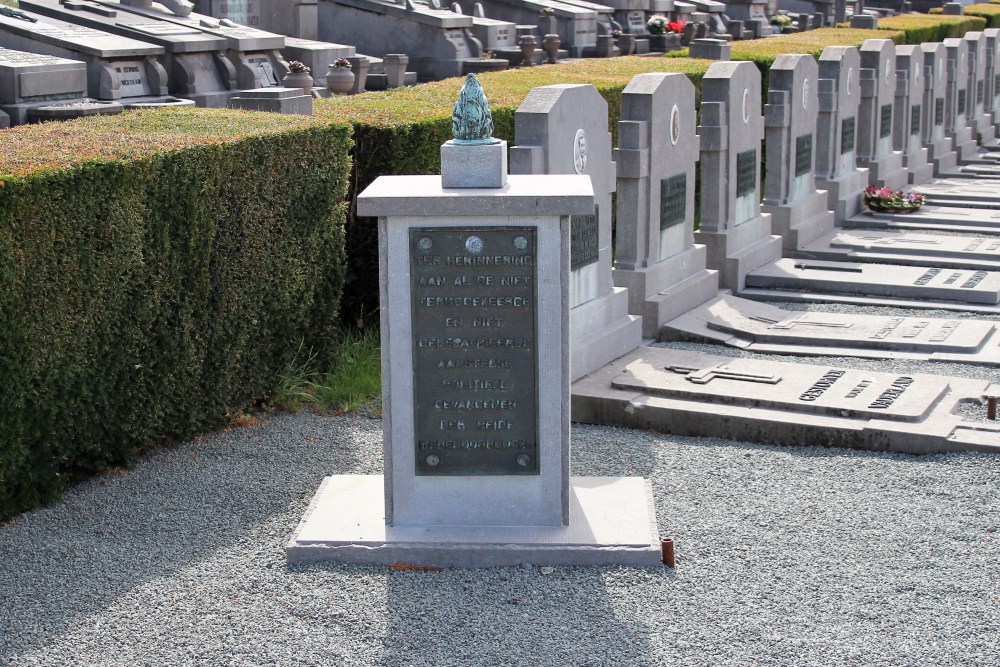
{"points": [[176, 507]]}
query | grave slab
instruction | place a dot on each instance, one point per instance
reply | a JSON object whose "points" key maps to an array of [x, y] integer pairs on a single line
{"points": [[274, 100], [656, 259], [932, 218], [981, 193], [863, 283], [760, 327], [690, 393], [562, 129]]}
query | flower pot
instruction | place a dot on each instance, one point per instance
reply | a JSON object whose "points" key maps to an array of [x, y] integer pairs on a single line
{"points": [[301, 80], [339, 80]]}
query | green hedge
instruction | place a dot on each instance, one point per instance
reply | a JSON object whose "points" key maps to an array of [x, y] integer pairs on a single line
{"points": [[159, 285], [920, 28], [988, 12]]}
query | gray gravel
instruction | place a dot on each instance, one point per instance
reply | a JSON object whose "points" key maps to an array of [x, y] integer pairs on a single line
{"points": [[786, 556]]}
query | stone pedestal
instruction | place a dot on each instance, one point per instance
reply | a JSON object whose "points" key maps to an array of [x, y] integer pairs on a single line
{"points": [[275, 100]]}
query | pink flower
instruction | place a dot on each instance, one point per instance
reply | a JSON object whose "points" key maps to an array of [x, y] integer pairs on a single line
{"points": [[870, 190], [885, 193]]}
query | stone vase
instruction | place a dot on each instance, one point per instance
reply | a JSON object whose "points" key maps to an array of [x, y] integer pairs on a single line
{"points": [[527, 44], [301, 80], [340, 80], [551, 43], [626, 44]]}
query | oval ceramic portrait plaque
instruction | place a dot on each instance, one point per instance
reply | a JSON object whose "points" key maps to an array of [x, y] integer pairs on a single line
{"points": [[805, 94], [850, 79], [675, 125], [888, 71], [580, 151], [746, 105]]}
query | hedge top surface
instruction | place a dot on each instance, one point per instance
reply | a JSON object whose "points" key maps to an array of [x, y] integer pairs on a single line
{"points": [[507, 89], [910, 21], [133, 135], [812, 42]]}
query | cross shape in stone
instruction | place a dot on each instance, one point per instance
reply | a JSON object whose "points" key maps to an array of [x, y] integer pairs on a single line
{"points": [[721, 371]]}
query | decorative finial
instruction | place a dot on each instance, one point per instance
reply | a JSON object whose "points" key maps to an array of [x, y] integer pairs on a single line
{"points": [[471, 120]]}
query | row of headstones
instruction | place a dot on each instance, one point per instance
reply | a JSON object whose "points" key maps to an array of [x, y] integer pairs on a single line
{"points": [[884, 114]]}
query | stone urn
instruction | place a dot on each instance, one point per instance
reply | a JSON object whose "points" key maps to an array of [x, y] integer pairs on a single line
{"points": [[626, 44], [339, 79], [301, 80], [550, 44], [527, 44]]}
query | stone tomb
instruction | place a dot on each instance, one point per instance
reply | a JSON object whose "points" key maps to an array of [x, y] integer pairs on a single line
{"points": [[695, 394], [909, 113], [118, 68], [737, 235], [29, 80], [656, 257], [562, 129], [295, 18], [875, 113], [836, 131], [197, 66], [255, 53], [475, 295]]}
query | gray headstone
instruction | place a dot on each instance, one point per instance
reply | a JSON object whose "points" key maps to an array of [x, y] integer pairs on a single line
{"points": [[710, 49], [563, 129], [939, 149], [976, 108], [864, 22], [836, 130], [956, 99], [656, 258], [875, 115], [911, 114], [991, 37], [737, 235], [798, 211], [953, 9]]}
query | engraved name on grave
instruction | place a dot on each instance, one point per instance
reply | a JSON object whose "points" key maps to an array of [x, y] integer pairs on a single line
{"points": [[473, 296]]}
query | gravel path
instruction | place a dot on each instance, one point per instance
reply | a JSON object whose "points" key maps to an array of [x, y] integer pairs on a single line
{"points": [[786, 556]]}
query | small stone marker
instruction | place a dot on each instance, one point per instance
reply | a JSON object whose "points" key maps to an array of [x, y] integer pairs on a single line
{"points": [[475, 375], [909, 111], [836, 131], [875, 115], [562, 129], [737, 235], [798, 210], [656, 257]]}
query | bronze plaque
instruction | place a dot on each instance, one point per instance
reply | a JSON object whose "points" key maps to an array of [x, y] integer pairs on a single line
{"points": [[475, 352], [673, 200], [584, 239], [938, 110], [746, 173], [915, 119], [847, 135], [803, 154], [885, 124]]}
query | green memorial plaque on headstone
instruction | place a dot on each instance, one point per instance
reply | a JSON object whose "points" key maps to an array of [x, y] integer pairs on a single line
{"points": [[475, 353], [885, 123], [673, 200], [939, 111], [847, 135], [803, 154], [915, 119], [746, 173], [584, 240]]}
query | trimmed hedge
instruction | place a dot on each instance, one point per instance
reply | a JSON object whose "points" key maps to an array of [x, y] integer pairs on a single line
{"points": [[988, 12], [157, 272], [920, 28]]}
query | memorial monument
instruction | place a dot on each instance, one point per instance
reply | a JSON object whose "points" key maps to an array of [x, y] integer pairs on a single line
{"points": [[474, 281]]}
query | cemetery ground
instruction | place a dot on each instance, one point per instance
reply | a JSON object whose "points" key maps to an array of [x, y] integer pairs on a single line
{"points": [[785, 556]]}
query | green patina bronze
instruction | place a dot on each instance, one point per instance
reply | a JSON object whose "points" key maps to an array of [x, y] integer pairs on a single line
{"points": [[471, 120]]}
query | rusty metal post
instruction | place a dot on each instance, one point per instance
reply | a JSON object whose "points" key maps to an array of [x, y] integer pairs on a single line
{"points": [[667, 551], [991, 407]]}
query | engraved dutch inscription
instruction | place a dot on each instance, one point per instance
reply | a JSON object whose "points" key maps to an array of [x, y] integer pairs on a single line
{"points": [[474, 320], [885, 123], [847, 135], [803, 154], [673, 200], [746, 173], [584, 242]]}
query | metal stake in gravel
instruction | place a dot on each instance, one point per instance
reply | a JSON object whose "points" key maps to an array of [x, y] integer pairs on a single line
{"points": [[475, 296]]}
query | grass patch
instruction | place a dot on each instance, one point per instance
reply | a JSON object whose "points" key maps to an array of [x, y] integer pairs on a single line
{"points": [[352, 382]]}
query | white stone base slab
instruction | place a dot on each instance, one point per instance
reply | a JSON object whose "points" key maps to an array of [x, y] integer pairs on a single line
{"points": [[612, 522]]}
